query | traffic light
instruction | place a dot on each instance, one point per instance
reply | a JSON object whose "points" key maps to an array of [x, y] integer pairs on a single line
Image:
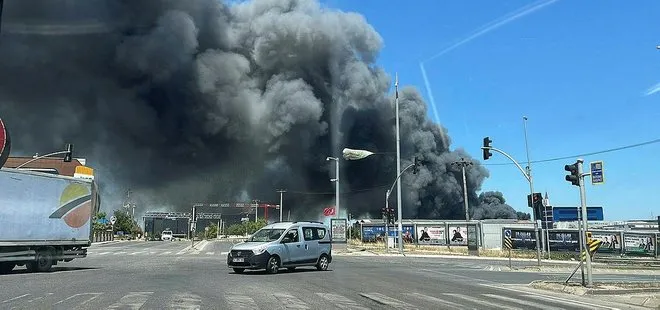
{"points": [[383, 213], [416, 166], [69, 153], [574, 177], [390, 217], [487, 153]]}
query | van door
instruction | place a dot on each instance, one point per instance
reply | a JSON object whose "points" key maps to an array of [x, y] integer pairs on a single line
{"points": [[311, 244], [294, 247]]}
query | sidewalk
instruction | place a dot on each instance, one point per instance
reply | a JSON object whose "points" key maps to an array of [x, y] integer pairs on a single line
{"points": [[645, 294]]}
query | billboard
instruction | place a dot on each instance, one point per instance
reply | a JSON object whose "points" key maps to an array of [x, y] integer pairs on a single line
{"points": [[5, 143], [458, 235], [374, 233], [338, 230], [522, 238], [563, 241], [435, 235], [639, 244], [611, 241]]}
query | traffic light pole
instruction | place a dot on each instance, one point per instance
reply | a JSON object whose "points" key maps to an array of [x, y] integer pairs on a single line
{"points": [[527, 176], [387, 198], [583, 202], [387, 221]]}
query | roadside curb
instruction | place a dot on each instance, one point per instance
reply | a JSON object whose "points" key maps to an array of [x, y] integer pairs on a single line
{"points": [[606, 289], [108, 242]]}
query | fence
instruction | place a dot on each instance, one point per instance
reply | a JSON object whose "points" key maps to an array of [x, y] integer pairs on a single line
{"points": [[101, 236]]}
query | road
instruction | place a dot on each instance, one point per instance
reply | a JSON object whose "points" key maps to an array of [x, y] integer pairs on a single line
{"points": [[169, 275]]}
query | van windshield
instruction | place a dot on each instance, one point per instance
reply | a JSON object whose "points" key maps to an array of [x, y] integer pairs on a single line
{"points": [[266, 235]]}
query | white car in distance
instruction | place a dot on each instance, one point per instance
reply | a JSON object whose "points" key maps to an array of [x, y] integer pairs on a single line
{"points": [[166, 235]]}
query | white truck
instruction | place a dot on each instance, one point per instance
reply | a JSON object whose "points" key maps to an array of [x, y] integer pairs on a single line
{"points": [[44, 218]]}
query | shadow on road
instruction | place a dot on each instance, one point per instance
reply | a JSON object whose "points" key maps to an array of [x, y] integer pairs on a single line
{"points": [[280, 272], [22, 270]]}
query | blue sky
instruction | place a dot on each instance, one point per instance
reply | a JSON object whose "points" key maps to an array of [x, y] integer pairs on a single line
{"points": [[578, 70]]}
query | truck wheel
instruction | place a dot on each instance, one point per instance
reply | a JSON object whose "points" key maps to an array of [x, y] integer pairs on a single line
{"points": [[6, 267], [42, 263]]}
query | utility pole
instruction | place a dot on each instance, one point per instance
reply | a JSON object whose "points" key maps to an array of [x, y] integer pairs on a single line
{"points": [[531, 192], [336, 180], [463, 163], [398, 164], [281, 202]]}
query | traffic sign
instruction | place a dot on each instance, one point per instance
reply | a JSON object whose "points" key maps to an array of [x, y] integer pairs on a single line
{"points": [[113, 220], [508, 244], [597, 176], [594, 245], [571, 214], [330, 211]]}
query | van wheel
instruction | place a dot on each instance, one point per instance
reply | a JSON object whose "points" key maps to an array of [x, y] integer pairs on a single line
{"points": [[323, 263], [273, 265], [239, 270]]}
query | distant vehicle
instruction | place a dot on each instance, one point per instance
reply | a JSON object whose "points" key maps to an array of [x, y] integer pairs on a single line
{"points": [[44, 218], [166, 235], [283, 245]]}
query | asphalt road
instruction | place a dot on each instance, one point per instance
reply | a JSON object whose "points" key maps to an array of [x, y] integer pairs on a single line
{"points": [[170, 275]]}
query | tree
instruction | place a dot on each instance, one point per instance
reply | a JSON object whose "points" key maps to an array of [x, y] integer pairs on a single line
{"points": [[125, 223], [98, 226], [523, 216], [212, 231], [247, 227]]}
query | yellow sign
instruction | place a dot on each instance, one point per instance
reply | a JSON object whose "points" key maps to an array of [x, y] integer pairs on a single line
{"points": [[593, 245], [507, 243], [84, 172]]}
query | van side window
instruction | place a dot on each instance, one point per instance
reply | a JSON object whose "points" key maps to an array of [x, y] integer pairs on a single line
{"points": [[308, 233], [293, 235], [320, 233]]}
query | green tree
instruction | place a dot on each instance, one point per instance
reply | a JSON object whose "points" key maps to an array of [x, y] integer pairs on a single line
{"points": [[98, 226], [212, 231], [125, 223], [235, 229], [248, 227]]}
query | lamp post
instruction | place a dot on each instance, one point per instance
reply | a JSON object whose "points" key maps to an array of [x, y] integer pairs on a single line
{"points": [[336, 180]]}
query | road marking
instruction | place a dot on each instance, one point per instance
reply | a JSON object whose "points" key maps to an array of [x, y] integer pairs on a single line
{"points": [[186, 301], [120, 252], [453, 275], [522, 302], [290, 302], [103, 253], [481, 302], [166, 253], [184, 250], [94, 295], [572, 303], [341, 302], [387, 301], [134, 300], [224, 253], [443, 302], [17, 297], [241, 302], [210, 253], [40, 297], [138, 252]]}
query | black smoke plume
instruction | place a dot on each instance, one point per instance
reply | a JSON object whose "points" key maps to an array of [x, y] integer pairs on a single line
{"points": [[200, 101]]}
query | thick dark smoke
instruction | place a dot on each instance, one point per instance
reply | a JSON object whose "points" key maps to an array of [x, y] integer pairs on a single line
{"points": [[492, 205], [196, 100]]}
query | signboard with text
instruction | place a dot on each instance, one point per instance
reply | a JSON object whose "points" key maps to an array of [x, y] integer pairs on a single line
{"points": [[597, 173], [338, 230]]}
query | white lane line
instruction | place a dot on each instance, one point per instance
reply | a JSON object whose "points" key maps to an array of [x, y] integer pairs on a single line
{"points": [[445, 303], [387, 301], [522, 302], [138, 252], [210, 253], [40, 297], [120, 252], [17, 297], [186, 301], [224, 253], [290, 302], [103, 253], [133, 300], [94, 295], [166, 253], [341, 302], [571, 303], [241, 302], [486, 304]]}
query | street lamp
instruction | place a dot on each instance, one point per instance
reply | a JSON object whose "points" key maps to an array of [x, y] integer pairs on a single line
{"points": [[336, 180]]}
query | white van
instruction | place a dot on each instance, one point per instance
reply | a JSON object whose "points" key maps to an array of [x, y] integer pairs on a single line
{"points": [[166, 235], [283, 245]]}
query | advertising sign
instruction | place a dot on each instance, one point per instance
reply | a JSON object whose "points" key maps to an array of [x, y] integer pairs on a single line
{"points": [[639, 244], [611, 241], [564, 241], [377, 233], [435, 235], [338, 230], [458, 235], [523, 239]]}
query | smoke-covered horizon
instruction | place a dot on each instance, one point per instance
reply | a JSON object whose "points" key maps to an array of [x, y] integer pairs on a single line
{"points": [[198, 101]]}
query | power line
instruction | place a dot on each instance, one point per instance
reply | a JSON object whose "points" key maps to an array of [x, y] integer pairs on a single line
{"points": [[584, 154]]}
